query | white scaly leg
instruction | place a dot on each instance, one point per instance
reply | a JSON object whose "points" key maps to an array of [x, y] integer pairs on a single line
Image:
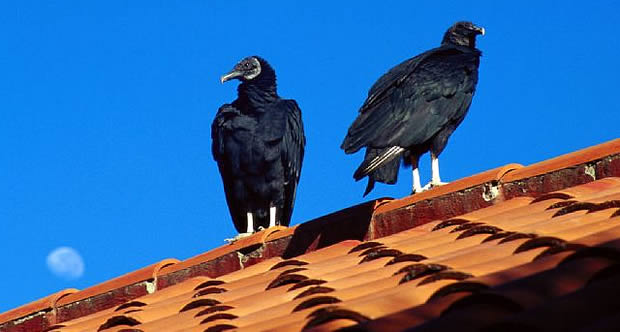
{"points": [[249, 230], [417, 187], [435, 179], [272, 216]]}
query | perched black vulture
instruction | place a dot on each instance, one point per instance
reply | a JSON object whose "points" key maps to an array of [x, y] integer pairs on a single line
{"points": [[258, 143], [415, 107]]}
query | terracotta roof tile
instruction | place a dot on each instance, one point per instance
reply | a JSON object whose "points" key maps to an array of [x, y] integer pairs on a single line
{"points": [[478, 179], [565, 161], [144, 274], [501, 249], [39, 306], [558, 313]]}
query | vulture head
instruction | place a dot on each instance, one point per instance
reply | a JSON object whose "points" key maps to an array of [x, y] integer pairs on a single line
{"points": [[462, 33]]}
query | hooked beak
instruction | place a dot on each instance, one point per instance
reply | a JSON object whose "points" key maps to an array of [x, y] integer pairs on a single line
{"points": [[230, 76], [480, 30]]}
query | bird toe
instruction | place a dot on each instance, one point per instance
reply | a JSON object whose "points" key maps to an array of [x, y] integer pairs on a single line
{"points": [[237, 237], [432, 185]]}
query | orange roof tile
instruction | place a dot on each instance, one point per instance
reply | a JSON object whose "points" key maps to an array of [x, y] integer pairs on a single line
{"points": [[509, 247]]}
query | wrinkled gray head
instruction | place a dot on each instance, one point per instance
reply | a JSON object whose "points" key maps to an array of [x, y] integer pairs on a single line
{"points": [[246, 70], [462, 33]]}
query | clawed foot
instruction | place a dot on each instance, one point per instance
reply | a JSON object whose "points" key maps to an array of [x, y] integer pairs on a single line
{"points": [[237, 237], [432, 185]]}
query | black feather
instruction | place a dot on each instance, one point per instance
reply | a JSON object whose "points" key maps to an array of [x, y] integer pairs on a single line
{"points": [[417, 104], [258, 143]]}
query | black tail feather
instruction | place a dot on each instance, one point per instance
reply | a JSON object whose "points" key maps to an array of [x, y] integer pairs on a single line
{"points": [[387, 172], [375, 159]]}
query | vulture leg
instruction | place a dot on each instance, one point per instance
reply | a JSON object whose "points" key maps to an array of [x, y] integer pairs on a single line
{"points": [[417, 187], [435, 179], [249, 231], [272, 216]]}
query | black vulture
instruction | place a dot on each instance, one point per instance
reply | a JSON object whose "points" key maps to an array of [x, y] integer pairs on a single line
{"points": [[258, 143], [415, 107]]}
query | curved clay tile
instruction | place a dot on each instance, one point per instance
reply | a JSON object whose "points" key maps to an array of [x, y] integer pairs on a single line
{"points": [[286, 280], [608, 204], [45, 303], [610, 272], [416, 271], [517, 236], [479, 229], [315, 301], [131, 304], [578, 206], [219, 316], [147, 273], [314, 290], [406, 258], [445, 275], [380, 253], [565, 161], [118, 321], [497, 236], [209, 290], [515, 206], [537, 242], [364, 246], [291, 271], [288, 262], [209, 283], [200, 303], [306, 283], [220, 327], [466, 226], [458, 287], [450, 222], [484, 299], [561, 204], [324, 315], [490, 176], [553, 195], [590, 252], [371, 250], [596, 222], [213, 309]]}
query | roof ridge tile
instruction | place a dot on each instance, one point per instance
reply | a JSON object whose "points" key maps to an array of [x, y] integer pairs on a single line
{"points": [[47, 303], [571, 159], [143, 274], [495, 174]]}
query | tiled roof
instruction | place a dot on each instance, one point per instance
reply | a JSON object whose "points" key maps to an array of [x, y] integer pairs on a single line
{"points": [[513, 248]]}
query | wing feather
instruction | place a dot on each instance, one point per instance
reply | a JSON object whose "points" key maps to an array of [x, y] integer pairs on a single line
{"points": [[411, 103], [293, 146], [227, 134]]}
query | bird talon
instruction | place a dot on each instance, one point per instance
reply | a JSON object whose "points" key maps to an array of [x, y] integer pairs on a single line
{"points": [[237, 237], [432, 185]]}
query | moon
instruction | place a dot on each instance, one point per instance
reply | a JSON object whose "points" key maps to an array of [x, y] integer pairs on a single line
{"points": [[65, 263]]}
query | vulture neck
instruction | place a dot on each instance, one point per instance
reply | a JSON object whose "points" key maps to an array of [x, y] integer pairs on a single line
{"points": [[459, 40], [254, 94]]}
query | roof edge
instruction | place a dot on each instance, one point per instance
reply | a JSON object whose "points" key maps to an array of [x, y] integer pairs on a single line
{"points": [[44, 305], [366, 221]]}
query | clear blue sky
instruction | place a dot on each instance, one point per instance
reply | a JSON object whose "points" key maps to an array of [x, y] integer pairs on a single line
{"points": [[106, 107]]}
